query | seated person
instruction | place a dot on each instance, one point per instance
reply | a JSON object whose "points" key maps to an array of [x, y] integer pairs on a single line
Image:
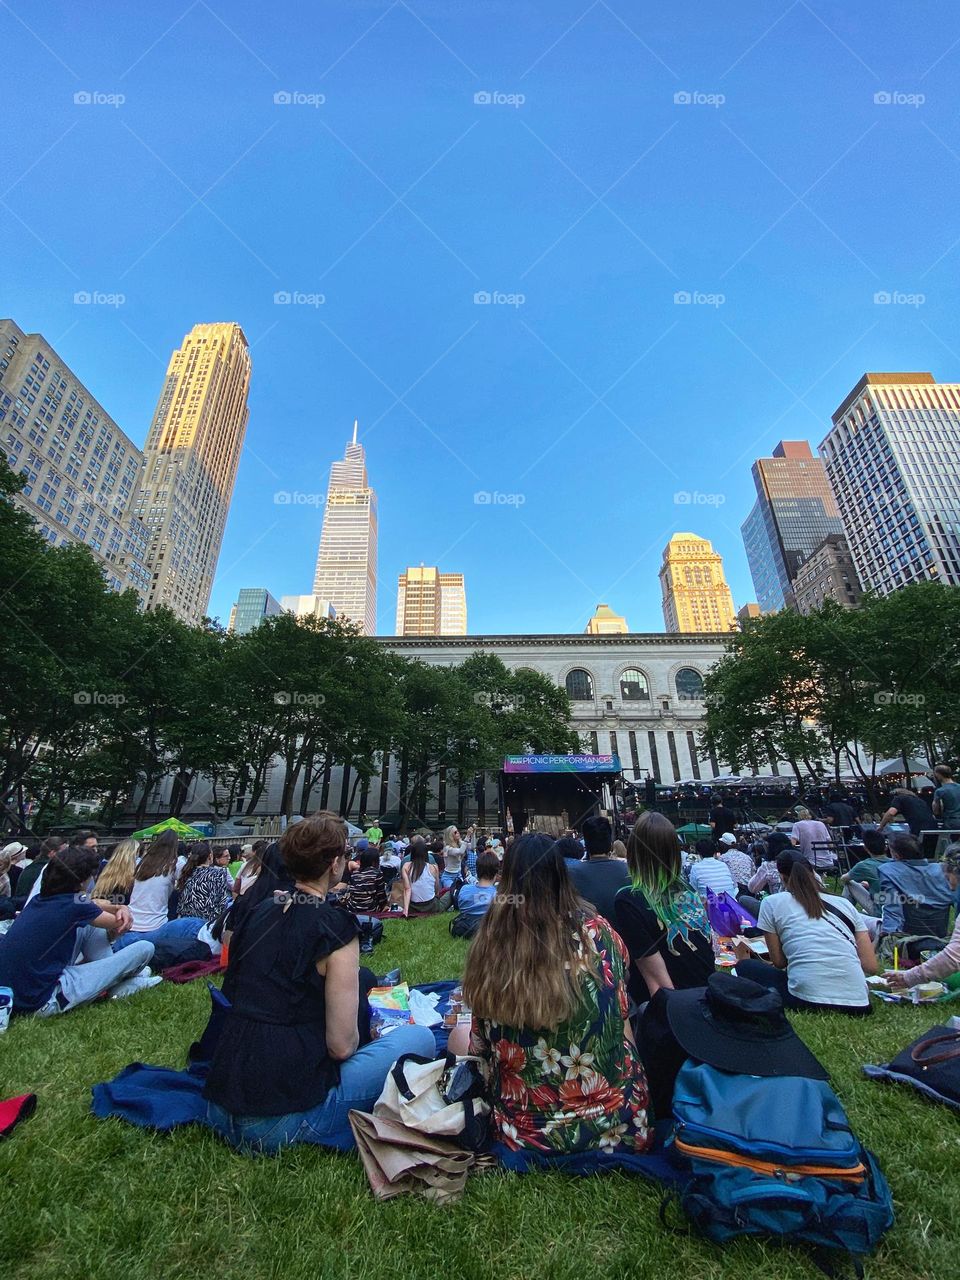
{"points": [[56, 955], [600, 876], [367, 890], [390, 862], [420, 882], [946, 962], [866, 873], [812, 837], [205, 889], [475, 899], [818, 945], [710, 872], [545, 979], [660, 918], [916, 896], [288, 1066], [153, 883], [738, 863], [766, 879]]}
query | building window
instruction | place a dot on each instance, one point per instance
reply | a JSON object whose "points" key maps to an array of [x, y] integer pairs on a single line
{"points": [[633, 686], [689, 685], [579, 685]]}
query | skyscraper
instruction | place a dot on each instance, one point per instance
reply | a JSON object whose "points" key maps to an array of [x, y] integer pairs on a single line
{"points": [[695, 592], [893, 459], [252, 606], [347, 560], [80, 470], [309, 606], [606, 623], [794, 511], [190, 465], [431, 603], [828, 573]]}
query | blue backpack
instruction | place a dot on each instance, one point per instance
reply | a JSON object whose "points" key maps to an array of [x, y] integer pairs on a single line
{"points": [[775, 1156]]}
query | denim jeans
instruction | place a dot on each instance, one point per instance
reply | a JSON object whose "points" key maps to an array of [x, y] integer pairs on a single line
{"points": [[361, 1082], [100, 967], [182, 927]]}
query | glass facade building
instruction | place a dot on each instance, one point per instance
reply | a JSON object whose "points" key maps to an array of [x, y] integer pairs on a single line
{"points": [[794, 511], [893, 459], [253, 605]]}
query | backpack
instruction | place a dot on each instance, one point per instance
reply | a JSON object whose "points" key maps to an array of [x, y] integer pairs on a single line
{"points": [[775, 1156], [464, 925]]}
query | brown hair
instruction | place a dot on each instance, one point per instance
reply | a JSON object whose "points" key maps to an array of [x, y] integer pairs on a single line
{"points": [[310, 848], [197, 857], [525, 964], [418, 857], [161, 858], [799, 880]]}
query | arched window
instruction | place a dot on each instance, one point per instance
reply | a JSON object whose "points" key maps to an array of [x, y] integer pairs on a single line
{"points": [[689, 685], [633, 686], [579, 685]]}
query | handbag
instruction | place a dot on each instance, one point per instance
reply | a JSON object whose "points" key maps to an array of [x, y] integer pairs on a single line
{"points": [[930, 1064], [444, 1098], [726, 916]]}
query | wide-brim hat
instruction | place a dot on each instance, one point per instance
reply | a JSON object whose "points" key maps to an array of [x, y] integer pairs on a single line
{"points": [[738, 1025]]}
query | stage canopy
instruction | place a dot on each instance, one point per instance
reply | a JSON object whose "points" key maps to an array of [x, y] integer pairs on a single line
{"points": [[561, 764]]}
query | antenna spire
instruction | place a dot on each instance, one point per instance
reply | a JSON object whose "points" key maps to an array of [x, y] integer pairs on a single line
{"points": [[356, 423]]}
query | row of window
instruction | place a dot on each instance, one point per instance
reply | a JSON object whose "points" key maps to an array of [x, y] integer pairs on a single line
{"points": [[633, 685]]}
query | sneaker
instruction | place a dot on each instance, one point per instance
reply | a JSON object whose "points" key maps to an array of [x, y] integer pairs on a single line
{"points": [[49, 1009], [139, 982]]}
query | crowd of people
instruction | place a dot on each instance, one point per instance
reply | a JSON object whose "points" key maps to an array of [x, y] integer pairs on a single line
{"points": [[578, 946]]}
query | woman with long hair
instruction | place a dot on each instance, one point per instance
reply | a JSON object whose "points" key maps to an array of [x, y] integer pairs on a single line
{"points": [[818, 944], [662, 920], [115, 881], [288, 1066], [420, 882], [203, 887], [545, 980], [153, 883], [454, 852]]}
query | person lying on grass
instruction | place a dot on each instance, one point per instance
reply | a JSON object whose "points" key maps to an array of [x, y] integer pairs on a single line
{"points": [[57, 955], [545, 979], [291, 1063]]}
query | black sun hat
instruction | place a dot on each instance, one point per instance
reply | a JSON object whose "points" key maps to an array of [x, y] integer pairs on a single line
{"points": [[738, 1025]]}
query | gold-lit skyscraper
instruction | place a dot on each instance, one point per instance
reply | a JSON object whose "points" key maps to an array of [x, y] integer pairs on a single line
{"points": [[347, 560], [431, 603], [606, 623], [190, 465], [695, 592]]}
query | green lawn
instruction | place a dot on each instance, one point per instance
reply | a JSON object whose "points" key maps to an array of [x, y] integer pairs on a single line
{"points": [[86, 1198]]}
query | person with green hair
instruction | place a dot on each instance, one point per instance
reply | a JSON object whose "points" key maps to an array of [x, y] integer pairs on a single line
{"points": [[660, 918]]}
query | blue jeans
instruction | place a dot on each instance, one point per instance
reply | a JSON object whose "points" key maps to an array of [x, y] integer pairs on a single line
{"points": [[96, 968], [183, 927], [361, 1081]]}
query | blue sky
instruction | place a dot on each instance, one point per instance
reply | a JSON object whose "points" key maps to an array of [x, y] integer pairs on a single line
{"points": [[782, 197]]}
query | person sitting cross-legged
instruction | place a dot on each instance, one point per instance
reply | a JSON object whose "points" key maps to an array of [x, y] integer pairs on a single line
{"points": [[289, 1066], [545, 979], [56, 955]]}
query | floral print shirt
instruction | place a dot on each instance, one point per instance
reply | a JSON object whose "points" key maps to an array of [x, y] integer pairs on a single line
{"points": [[581, 1087]]}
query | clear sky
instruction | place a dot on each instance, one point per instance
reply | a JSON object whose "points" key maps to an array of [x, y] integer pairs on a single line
{"points": [[781, 196]]}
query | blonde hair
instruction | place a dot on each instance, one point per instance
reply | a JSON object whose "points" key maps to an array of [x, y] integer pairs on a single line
{"points": [[116, 878], [526, 962], [448, 834]]}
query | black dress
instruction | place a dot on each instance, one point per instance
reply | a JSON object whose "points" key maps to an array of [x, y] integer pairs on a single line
{"points": [[272, 1056]]}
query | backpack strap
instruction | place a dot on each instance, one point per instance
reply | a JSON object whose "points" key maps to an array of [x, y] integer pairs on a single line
{"points": [[923, 1058], [837, 914]]}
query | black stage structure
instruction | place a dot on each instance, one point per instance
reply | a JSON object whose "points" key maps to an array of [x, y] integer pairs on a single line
{"points": [[550, 792]]}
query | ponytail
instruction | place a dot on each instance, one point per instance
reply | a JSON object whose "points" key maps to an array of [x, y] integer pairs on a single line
{"points": [[800, 880]]}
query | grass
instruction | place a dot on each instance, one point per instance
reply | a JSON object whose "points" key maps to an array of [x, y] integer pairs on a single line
{"points": [[87, 1198]]}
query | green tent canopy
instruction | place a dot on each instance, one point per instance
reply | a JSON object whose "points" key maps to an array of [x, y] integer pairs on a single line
{"points": [[169, 824], [697, 829]]}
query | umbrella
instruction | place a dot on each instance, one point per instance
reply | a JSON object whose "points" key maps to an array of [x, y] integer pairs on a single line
{"points": [[697, 829], [169, 824], [895, 766]]}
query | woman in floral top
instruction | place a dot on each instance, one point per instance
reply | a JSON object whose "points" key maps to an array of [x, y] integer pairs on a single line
{"points": [[545, 978]]}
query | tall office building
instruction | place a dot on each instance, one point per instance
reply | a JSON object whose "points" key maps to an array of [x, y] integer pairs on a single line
{"points": [[828, 573], [794, 511], [696, 597], [80, 470], [190, 465], [309, 606], [893, 459], [347, 560], [252, 606], [606, 623], [431, 603]]}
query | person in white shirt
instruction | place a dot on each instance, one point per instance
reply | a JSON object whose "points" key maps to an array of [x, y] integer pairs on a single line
{"points": [[153, 884], [819, 947], [711, 873], [813, 838]]}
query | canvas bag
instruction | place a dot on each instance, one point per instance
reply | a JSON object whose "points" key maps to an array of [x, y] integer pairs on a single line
{"points": [[930, 1064], [417, 1093], [398, 1160]]}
